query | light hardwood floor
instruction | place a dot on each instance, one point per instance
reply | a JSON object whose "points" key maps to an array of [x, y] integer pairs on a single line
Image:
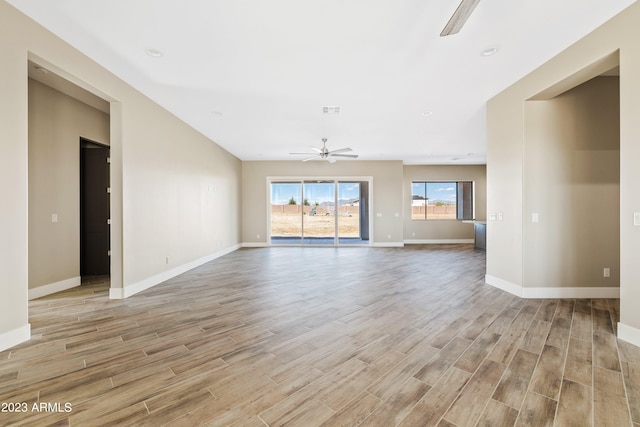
{"points": [[323, 336]]}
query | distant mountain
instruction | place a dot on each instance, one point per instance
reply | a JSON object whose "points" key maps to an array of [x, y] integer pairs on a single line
{"points": [[341, 202]]}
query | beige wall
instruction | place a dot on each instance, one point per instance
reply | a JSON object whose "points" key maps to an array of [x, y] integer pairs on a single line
{"points": [[572, 170], [56, 123], [506, 153], [445, 229], [168, 181], [386, 194], [391, 195], [181, 193], [13, 180]]}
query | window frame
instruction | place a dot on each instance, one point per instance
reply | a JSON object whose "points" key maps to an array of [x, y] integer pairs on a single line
{"points": [[465, 199]]}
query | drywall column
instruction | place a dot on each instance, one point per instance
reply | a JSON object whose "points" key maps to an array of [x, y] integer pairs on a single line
{"points": [[115, 173], [14, 312], [505, 192], [629, 327]]}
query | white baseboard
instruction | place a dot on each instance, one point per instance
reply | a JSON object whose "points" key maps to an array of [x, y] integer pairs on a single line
{"points": [[116, 293], [15, 337], [127, 291], [629, 334], [552, 292], [438, 241], [255, 245], [504, 285], [595, 292], [52, 288], [387, 244]]}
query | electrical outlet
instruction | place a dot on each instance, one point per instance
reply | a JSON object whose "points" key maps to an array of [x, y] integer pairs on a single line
{"points": [[606, 272], [257, 236]]}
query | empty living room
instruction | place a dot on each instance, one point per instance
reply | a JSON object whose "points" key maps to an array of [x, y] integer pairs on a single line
{"points": [[347, 213]]}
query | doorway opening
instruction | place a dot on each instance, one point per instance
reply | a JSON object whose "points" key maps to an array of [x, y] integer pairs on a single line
{"points": [[95, 251], [572, 181], [319, 212], [60, 113]]}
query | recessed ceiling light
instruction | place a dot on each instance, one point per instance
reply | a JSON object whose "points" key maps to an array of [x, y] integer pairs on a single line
{"points": [[427, 113], [155, 53], [42, 70], [489, 51], [217, 113]]}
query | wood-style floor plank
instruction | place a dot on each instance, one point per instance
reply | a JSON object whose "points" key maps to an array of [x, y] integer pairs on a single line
{"points": [[578, 367], [610, 405], [497, 414], [323, 336], [631, 373], [430, 409], [575, 406], [513, 386], [547, 377], [537, 410], [472, 400]]}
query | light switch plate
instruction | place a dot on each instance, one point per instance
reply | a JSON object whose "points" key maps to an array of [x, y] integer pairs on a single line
{"points": [[492, 217], [636, 219], [535, 217]]}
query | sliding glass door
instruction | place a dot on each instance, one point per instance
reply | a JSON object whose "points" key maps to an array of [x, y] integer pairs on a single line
{"points": [[348, 213], [319, 212], [286, 200]]}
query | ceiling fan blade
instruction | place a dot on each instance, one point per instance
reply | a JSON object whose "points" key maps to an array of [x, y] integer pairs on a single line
{"points": [[351, 156], [316, 149], [312, 158], [309, 154], [459, 17], [340, 150]]}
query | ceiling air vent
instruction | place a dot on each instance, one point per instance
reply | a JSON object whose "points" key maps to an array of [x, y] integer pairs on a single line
{"points": [[331, 110]]}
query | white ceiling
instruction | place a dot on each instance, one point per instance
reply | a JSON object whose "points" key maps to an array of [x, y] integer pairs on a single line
{"points": [[253, 75]]}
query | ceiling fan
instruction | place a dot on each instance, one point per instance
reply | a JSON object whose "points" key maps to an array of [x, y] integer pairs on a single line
{"points": [[325, 154], [459, 17]]}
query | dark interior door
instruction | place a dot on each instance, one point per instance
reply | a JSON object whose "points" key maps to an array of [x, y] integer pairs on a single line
{"points": [[94, 209]]}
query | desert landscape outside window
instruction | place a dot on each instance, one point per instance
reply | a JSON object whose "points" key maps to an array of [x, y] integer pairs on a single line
{"points": [[319, 212], [437, 200]]}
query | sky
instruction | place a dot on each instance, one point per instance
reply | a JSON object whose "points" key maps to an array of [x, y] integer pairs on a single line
{"points": [[435, 191], [313, 192]]}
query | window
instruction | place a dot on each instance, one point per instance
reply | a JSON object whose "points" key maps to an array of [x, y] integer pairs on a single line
{"points": [[442, 200], [319, 212]]}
